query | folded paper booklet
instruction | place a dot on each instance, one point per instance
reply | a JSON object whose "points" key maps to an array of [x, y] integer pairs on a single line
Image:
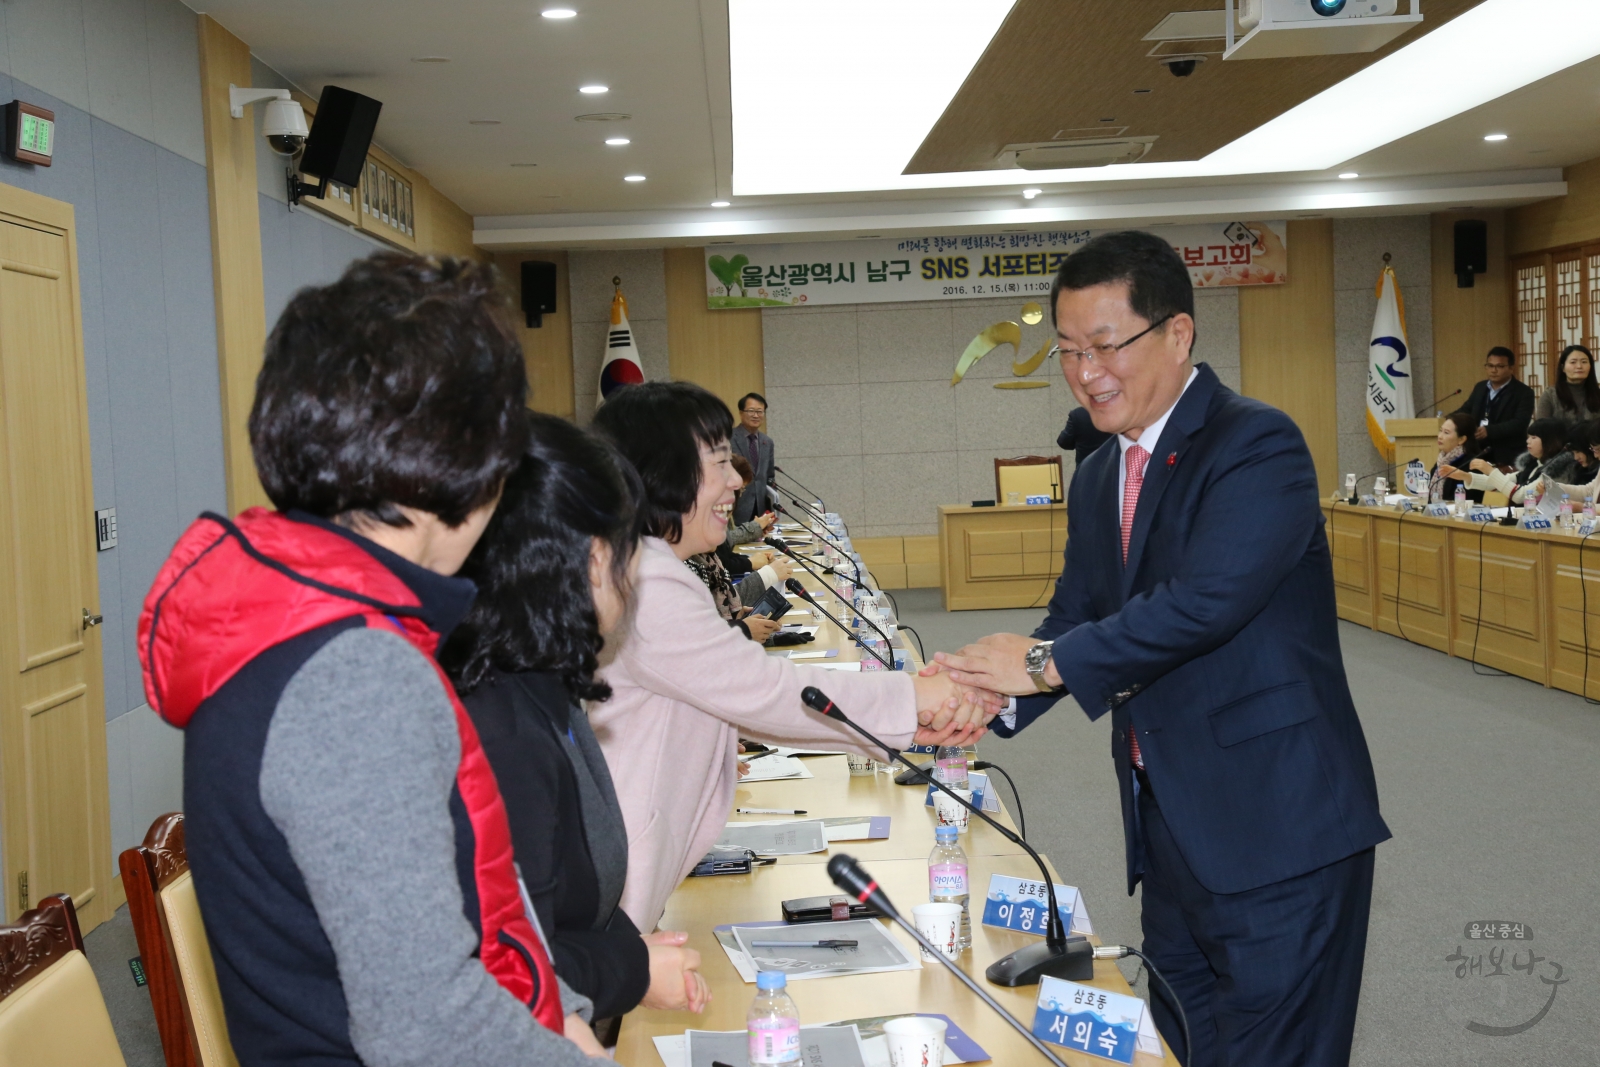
{"points": [[837, 665], [788, 838], [824, 1046], [958, 1046], [856, 827], [876, 949], [773, 768]]}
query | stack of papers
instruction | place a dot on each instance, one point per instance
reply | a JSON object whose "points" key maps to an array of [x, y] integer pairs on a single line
{"points": [[874, 1047], [876, 950], [772, 767], [790, 838], [820, 1046]]}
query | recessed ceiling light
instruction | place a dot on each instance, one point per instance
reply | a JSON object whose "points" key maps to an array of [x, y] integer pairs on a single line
{"points": [[594, 90], [719, 203], [430, 59], [483, 122], [1347, 175], [617, 141], [634, 178], [1494, 137], [1029, 194], [558, 13]]}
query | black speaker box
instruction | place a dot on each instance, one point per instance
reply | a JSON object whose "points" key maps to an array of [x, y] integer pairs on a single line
{"points": [[340, 135], [1472, 250], [538, 290]]}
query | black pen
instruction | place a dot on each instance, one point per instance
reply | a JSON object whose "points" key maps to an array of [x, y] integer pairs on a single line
{"points": [[804, 944]]}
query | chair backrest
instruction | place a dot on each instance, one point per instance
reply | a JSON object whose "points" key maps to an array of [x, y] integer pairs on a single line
{"points": [[51, 1010], [1027, 476], [177, 956]]}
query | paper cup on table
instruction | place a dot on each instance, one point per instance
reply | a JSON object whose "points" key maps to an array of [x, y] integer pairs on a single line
{"points": [[940, 923], [915, 1041], [949, 812], [860, 765]]}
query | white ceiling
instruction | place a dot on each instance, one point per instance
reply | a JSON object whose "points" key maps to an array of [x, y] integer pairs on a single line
{"points": [[667, 64]]}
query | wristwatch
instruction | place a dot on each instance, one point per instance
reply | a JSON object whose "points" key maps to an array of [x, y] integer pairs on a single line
{"points": [[1037, 658]]}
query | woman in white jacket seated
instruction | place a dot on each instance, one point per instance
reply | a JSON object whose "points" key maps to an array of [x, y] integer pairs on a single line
{"points": [[1546, 457]]}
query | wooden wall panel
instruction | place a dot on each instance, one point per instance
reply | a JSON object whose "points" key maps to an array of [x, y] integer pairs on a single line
{"points": [[442, 227], [1566, 220], [721, 350], [1413, 577], [547, 349], [235, 253], [1467, 322], [1286, 344]]}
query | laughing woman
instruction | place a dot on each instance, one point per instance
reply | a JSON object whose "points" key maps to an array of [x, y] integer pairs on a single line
{"points": [[685, 685]]}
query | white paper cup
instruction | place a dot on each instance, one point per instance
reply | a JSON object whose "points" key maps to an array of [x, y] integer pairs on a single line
{"points": [[940, 923], [860, 765], [915, 1041], [949, 812]]}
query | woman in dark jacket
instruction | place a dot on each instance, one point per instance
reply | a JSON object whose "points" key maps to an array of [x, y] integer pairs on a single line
{"points": [[554, 573]]}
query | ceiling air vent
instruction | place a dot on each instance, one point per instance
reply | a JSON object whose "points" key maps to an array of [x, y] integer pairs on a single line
{"points": [[1087, 152]]}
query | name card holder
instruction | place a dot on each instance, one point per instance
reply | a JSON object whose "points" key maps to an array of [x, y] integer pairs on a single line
{"points": [[1108, 1026], [1439, 511], [1021, 904], [1479, 513], [1534, 522]]}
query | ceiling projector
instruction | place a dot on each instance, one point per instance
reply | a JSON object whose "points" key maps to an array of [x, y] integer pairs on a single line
{"points": [[1253, 12]]}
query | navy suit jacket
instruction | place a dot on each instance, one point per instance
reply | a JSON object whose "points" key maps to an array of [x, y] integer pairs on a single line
{"points": [[1218, 643]]}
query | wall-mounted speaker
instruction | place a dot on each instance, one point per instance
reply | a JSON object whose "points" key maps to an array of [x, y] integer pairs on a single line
{"points": [[341, 134], [538, 291], [1472, 250]]}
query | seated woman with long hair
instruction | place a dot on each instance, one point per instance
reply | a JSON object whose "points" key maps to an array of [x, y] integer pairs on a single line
{"points": [[685, 685], [554, 574], [1584, 479], [1455, 435], [1547, 455]]}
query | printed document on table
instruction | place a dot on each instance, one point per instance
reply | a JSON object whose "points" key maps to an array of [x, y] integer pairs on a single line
{"points": [[771, 768], [876, 950], [824, 1046], [794, 838]]}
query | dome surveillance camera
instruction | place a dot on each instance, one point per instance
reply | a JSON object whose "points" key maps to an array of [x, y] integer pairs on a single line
{"points": [[284, 125], [1182, 66]]}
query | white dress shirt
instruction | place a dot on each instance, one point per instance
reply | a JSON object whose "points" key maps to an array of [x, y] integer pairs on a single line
{"points": [[1148, 438]]}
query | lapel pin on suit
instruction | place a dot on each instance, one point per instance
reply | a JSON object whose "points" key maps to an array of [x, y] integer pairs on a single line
{"points": [[1172, 459]]}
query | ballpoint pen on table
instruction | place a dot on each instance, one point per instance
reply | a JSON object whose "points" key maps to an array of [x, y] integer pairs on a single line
{"points": [[769, 811], [804, 944]]}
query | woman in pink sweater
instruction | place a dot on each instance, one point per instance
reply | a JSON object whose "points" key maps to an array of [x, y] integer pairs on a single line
{"points": [[685, 684]]}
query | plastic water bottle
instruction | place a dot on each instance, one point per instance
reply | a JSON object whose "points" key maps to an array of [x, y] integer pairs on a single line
{"points": [[1566, 512], [1461, 500], [950, 764], [947, 878], [1588, 511], [774, 1021]]}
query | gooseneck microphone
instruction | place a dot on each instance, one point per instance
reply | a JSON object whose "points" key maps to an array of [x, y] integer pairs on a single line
{"points": [[835, 545], [848, 876], [773, 542], [798, 482], [1058, 955], [1435, 405], [794, 586]]}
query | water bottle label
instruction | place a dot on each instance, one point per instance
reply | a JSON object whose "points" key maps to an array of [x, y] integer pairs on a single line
{"points": [[775, 1041], [947, 880]]}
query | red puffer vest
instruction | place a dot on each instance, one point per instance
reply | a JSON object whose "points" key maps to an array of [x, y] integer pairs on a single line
{"points": [[230, 591]]}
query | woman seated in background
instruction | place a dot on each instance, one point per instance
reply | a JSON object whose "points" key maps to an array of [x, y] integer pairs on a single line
{"points": [[1576, 394], [729, 598], [757, 572], [685, 685], [1583, 440], [1455, 433], [757, 528], [1546, 457], [554, 575]]}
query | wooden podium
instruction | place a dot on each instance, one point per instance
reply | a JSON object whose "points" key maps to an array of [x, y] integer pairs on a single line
{"points": [[1413, 439]]}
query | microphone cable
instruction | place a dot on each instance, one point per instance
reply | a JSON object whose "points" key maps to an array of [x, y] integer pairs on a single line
{"points": [[1477, 629], [985, 765], [1117, 952], [1583, 587], [913, 631]]}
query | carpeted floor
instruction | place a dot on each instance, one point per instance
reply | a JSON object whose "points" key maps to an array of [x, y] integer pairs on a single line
{"points": [[1489, 784]]}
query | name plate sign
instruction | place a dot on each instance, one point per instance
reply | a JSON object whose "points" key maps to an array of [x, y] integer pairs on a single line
{"points": [[1110, 1026], [1439, 511], [1479, 513], [1022, 904], [1535, 522]]}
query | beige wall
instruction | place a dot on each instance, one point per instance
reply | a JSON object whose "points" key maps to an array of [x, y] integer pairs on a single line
{"points": [[547, 348], [720, 350], [1566, 220], [1467, 322]]}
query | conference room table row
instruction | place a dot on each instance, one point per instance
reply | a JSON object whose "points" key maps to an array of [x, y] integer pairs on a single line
{"points": [[900, 865]]}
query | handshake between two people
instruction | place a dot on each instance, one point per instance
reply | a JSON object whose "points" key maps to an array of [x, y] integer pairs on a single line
{"points": [[958, 693]]}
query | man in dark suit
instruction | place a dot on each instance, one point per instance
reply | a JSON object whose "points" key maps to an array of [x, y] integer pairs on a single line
{"points": [[1196, 605], [1503, 407], [1080, 437], [755, 446]]}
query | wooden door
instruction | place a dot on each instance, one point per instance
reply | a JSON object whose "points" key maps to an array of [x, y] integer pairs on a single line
{"points": [[54, 820]]}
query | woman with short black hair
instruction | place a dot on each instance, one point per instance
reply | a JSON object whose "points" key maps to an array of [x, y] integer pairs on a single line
{"points": [[1546, 456], [554, 575], [685, 686], [346, 835]]}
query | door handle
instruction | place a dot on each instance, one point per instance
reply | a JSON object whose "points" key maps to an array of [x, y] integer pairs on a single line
{"points": [[91, 620]]}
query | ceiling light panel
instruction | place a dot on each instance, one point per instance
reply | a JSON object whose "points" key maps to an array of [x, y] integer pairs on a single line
{"points": [[875, 77], [856, 136]]}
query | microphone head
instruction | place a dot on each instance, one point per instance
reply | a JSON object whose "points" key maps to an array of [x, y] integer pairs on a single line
{"points": [[773, 542], [818, 701], [794, 586], [848, 875]]}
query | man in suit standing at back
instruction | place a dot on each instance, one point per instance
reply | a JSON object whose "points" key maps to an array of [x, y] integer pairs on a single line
{"points": [[755, 446], [1504, 407], [1196, 606]]}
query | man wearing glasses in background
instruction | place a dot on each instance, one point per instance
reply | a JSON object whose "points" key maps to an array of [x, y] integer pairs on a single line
{"points": [[1504, 407], [1196, 606], [748, 441]]}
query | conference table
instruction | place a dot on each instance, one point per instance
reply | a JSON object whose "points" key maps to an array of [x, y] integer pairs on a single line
{"points": [[900, 865]]}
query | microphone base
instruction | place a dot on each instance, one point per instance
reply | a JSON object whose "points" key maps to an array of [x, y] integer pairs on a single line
{"points": [[1074, 962]]}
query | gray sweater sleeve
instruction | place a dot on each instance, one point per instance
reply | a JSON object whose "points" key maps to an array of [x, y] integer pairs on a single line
{"points": [[356, 774]]}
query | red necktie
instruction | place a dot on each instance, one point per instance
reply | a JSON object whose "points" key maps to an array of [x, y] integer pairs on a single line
{"points": [[1135, 458]]}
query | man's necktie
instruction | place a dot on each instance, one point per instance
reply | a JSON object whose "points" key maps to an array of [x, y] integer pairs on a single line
{"points": [[755, 451], [1135, 458]]}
